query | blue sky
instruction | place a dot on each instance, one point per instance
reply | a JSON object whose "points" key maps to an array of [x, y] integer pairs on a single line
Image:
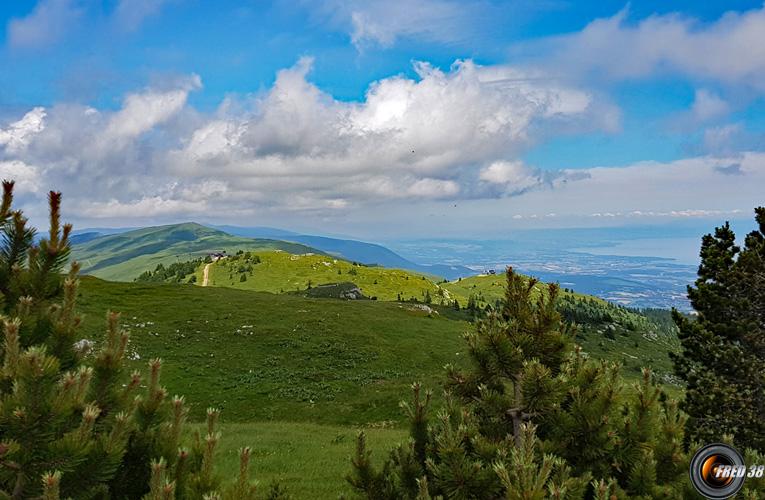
{"points": [[352, 116]]}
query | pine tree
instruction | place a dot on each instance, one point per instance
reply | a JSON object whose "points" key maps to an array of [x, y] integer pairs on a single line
{"points": [[533, 417], [71, 423], [524, 339], [723, 349]]}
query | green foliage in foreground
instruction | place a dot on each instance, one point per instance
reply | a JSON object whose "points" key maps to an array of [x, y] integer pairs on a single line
{"points": [[634, 338], [533, 418], [72, 423], [574, 307]]}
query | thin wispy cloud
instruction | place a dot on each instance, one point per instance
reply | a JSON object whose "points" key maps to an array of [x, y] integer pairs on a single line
{"points": [[384, 23], [728, 140], [730, 50], [130, 14], [52, 21], [708, 106], [374, 24], [49, 22]]}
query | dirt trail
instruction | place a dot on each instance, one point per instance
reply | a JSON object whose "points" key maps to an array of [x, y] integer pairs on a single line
{"points": [[206, 274]]}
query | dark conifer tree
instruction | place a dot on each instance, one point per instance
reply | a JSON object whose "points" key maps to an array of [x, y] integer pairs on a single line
{"points": [[723, 348]]}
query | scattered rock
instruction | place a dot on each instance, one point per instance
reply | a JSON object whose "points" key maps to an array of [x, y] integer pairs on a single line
{"points": [[423, 307], [83, 347]]}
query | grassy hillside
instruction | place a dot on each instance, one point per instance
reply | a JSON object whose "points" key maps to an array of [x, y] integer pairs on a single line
{"points": [[280, 272], [487, 288], [261, 356], [296, 377], [123, 256], [605, 330]]}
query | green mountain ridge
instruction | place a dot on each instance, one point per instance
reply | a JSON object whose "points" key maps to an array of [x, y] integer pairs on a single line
{"points": [[348, 249], [123, 256], [353, 250]]}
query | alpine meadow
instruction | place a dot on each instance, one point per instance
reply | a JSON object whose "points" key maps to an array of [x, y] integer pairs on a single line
{"points": [[382, 250]]}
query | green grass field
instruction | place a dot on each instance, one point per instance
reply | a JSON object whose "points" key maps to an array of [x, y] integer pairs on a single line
{"points": [[296, 378], [261, 356], [280, 272], [310, 460], [264, 356]]}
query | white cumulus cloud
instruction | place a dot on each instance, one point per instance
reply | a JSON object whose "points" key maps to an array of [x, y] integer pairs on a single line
{"points": [[16, 137], [409, 138], [442, 138]]}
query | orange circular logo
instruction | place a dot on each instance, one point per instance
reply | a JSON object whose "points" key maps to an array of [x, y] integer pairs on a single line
{"points": [[717, 471]]}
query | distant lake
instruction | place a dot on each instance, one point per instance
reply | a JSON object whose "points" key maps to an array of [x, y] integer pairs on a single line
{"points": [[681, 250]]}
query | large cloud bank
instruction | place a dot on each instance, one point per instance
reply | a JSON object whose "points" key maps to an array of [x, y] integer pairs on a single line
{"points": [[295, 148], [444, 138]]}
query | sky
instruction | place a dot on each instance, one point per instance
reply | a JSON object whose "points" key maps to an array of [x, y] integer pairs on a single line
{"points": [[385, 119]]}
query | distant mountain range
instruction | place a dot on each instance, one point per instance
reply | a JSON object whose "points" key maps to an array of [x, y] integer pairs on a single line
{"points": [[353, 250], [122, 254]]}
